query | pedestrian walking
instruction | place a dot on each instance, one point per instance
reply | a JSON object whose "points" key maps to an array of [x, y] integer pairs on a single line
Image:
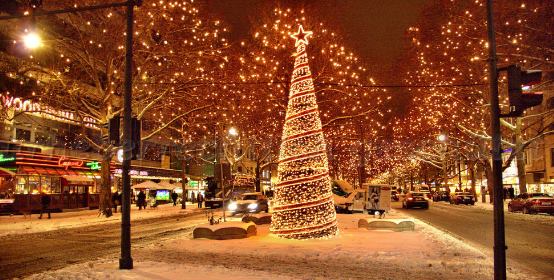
{"points": [[200, 199], [141, 200], [193, 197], [116, 200], [45, 203], [174, 196]]}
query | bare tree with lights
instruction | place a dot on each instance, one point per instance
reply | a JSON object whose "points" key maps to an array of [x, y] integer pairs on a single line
{"points": [[177, 54]]}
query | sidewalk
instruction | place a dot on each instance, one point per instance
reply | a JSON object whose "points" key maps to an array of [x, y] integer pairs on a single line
{"points": [[20, 224], [426, 253]]}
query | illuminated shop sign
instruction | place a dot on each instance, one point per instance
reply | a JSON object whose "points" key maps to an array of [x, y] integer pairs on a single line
{"points": [[132, 172], [7, 157], [66, 163], [41, 110], [93, 165]]}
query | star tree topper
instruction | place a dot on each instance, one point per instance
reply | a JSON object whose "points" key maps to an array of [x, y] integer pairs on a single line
{"points": [[301, 36]]}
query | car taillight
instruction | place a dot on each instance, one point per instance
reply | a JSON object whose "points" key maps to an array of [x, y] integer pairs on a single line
{"points": [[536, 201]]}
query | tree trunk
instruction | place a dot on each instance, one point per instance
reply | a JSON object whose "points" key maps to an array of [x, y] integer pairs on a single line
{"points": [[520, 159], [258, 175], [471, 166], [105, 202], [490, 187], [183, 185]]}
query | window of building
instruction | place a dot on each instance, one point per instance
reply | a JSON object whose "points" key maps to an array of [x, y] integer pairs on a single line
{"points": [[22, 134], [552, 157], [43, 139]]}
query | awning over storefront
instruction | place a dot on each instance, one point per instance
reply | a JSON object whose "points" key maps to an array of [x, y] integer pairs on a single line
{"points": [[6, 172], [168, 186], [78, 180], [148, 185]]}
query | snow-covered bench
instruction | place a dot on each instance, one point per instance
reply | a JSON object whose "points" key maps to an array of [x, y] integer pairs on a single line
{"points": [[387, 224], [223, 231], [258, 219]]}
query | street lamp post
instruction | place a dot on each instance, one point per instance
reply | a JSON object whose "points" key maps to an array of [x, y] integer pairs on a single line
{"points": [[443, 138], [233, 132]]}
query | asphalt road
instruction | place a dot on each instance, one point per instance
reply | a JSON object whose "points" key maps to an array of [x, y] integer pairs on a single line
{"points": [[27, 254], [528, 237]]}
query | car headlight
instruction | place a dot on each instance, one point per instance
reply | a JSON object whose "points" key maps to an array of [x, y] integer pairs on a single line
{"points": [[252, 206], [232, 206]]}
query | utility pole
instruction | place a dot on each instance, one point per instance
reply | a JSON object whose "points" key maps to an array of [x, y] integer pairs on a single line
{"points": [[499, 235]]}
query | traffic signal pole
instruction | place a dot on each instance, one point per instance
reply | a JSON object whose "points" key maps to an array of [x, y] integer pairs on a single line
{"points": [[498, 208], [125, 261]]}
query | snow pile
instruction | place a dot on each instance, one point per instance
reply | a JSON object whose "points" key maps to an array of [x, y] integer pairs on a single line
{"points": [[226, 225]]}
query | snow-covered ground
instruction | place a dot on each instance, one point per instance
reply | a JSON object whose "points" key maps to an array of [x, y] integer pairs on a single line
{"points": [[19, 224], [426, 253]]}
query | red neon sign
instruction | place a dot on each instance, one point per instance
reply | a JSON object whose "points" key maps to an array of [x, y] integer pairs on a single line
{"points": [[66, 163]]}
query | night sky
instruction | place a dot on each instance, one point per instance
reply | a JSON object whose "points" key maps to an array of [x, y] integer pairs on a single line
{"points": [[373, 28]]}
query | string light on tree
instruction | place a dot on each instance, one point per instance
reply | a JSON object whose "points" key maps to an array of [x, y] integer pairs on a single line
{"points": [[303, 199]]}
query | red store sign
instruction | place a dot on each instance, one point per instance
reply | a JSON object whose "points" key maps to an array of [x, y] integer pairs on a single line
{"points": [[66, 163]]}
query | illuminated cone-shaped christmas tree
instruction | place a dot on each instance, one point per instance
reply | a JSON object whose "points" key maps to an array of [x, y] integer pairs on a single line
{"points": [[303, 198]]}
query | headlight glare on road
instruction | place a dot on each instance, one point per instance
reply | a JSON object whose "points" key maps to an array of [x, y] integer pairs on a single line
{"points": [[252, 206], [232, 206]]}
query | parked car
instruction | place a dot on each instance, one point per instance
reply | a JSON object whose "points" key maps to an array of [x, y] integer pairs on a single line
{"points": [[415, 199], [426, 190], [441, 196], [530, 203], [249, 203], [462, 198]]}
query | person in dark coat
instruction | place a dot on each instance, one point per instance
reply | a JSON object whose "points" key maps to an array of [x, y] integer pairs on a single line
{"points": [[200, 199], [116, 200], [141, 200], [174, 196], [45, 203]]}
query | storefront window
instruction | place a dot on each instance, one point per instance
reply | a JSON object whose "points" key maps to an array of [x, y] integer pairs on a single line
{"points": [[22, 134], [45, 184], [56, 185], [34, 184], [21, 187]]}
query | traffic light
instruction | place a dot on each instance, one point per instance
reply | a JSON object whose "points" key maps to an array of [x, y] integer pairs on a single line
{"points": [[520, 90], [135, 138], [113, 130]]}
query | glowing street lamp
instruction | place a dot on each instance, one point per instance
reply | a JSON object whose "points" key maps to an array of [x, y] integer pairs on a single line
{"points": [[441, 137], [233, 131], [32, 40]]}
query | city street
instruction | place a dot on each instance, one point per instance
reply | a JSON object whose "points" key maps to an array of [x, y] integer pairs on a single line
{"points": [[528, 237], [25, 254]]}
